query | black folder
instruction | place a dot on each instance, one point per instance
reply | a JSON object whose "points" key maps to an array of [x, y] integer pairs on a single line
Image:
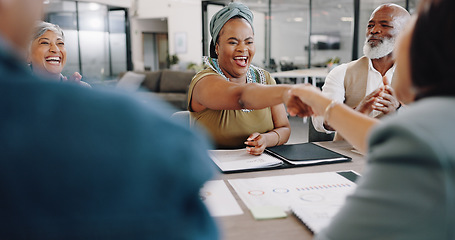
{"points": [[306, 154], [298, 155]]}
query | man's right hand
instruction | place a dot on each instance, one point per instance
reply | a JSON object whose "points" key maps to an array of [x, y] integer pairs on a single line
{"points": [[387, 101], [366, 105]]}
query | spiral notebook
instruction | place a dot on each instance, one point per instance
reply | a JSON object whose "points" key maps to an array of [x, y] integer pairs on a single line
{"points": [[317, 215]]}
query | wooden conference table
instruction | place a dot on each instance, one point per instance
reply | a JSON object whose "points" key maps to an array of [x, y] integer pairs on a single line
{"points": [[244, 226], [302, 75]]}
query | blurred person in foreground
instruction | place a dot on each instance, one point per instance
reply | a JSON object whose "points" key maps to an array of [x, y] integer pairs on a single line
{"points": [[120, 175], [47, 56], [408, 187], [359, 84], [214, 93]]}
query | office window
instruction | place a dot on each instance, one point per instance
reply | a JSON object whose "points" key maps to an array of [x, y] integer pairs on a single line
{"points": [[64, 14], [331, 31], [331, 26], [96, 38], [118, 46], [289, 34]]}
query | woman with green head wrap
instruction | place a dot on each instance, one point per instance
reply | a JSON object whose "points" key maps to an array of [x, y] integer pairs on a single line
{"points": [[238, 103]]}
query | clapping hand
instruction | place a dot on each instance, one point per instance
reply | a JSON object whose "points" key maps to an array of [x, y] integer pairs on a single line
{"points": [[76, 77], [382, 99], [367, 105], [387, 101]]}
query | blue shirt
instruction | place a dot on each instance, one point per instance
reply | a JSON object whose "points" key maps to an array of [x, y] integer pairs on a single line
{"points": [[80, 163]]}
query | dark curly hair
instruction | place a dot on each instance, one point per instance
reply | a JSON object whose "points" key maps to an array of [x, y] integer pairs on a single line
{"points": [[432, 50]]}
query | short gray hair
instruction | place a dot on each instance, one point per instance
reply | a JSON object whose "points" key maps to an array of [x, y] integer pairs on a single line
{"points": [[41, 27]]}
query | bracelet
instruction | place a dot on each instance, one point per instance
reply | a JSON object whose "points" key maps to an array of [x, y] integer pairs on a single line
{"points": [[327, 110], [278, 137]]}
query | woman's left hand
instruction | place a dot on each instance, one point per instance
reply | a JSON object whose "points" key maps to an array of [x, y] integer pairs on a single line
{"points": [[256, 144], [76, 77]]}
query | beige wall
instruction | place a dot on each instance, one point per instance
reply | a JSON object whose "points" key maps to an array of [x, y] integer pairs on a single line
{"points": [[183, 16], [139, 26]]}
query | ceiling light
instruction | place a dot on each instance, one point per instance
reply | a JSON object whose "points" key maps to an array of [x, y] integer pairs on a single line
{"points": [[93, 6], [347, 19]]}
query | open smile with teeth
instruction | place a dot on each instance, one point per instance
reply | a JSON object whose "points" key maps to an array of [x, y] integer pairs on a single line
{"points": [[241, 61], [54, 60]]}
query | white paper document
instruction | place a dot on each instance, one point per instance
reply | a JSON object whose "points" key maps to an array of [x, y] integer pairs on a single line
{"points": [[316, 216], [219, 200], [314, 197], [239, 159]]}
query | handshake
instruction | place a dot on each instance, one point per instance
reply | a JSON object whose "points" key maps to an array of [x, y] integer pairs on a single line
{"points": [[305, 100], [353, 123]]}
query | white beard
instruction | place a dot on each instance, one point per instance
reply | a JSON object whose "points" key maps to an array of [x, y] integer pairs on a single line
{"points": [[381, 50]]}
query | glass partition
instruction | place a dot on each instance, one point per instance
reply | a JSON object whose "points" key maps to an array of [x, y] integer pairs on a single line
{"points": [[331, 35], [95, 38], [117, 41], [64, 14], [331, 23], [289, 34]]}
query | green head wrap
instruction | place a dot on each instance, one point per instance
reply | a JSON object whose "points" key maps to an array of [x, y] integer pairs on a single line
{"points": [[221, 17]]}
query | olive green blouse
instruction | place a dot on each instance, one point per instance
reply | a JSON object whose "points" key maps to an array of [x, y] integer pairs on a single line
{"points": [[231, 128]]}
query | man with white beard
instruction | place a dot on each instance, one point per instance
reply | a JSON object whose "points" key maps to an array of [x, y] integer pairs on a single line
{"points": [[364, 84]]}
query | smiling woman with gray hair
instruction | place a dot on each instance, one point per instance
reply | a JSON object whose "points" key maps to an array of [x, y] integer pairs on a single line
{"points": [[47, 55]]}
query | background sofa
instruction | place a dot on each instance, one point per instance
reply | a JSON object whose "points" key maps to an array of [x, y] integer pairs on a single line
{"points": [[169, 85]]}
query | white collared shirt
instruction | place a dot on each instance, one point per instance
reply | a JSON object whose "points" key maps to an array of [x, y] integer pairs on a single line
{"points": [[334, 87]]}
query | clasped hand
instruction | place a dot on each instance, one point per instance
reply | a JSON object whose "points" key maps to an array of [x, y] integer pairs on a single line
{"points": [[382, 99]]}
